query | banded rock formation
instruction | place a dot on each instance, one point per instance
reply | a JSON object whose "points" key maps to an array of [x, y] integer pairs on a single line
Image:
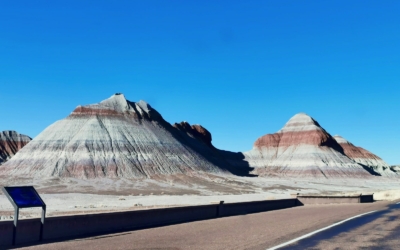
{"points": [[195, 131], [193, 134], [10, 143], [114, 138], [302, 148], [364, 157]]}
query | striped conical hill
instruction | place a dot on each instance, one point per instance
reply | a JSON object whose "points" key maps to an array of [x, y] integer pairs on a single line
{"points": [[113, 138], [302, 148]]}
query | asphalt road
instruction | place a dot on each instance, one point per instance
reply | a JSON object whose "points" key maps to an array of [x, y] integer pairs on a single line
{"points": [[377, 230], [257, 231]]}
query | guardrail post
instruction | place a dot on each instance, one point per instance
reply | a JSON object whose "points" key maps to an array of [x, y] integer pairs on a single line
{"points": [[220, 209]]}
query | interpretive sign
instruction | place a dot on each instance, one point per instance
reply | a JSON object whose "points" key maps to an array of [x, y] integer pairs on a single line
{"points": [[24, 197]]}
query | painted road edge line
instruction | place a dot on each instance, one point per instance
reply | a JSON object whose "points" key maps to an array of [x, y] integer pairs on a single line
{"points": [[317, 231]]}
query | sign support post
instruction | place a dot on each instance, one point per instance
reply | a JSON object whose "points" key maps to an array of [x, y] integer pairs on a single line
{"points": [[42, 222], [24, 197], [16, 215]]}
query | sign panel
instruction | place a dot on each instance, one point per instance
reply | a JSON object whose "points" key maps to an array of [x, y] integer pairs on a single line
{"points": [[25, 196]]}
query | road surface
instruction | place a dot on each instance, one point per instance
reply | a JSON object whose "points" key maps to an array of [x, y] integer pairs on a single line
{"points": [[377, 230], [258, 231]]}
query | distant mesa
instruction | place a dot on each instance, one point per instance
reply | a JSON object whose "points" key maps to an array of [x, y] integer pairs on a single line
{"points": [[10, 143], [114, 138], [367, 159], [302, 148]]}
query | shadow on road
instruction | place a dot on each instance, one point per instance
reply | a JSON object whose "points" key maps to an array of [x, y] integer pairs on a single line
{"points": [[346, 227]]}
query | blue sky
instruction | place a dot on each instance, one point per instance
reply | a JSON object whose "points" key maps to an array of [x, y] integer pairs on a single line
{"points": [[239, 68]]}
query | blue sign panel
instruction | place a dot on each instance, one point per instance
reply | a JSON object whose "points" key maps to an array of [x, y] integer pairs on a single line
{"points": [[25, 196]]}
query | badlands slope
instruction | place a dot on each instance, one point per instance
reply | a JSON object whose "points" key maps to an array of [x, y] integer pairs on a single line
{"points": [[118, 154], [117, 138], [234, 162], [302, 148], [365, 158], [10, 143], [114, 138]]}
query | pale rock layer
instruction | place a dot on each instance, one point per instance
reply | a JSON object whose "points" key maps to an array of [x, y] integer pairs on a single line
{"points": [[396, 169], [364, 157], [114, 138], [10, 143], [302, 148]]}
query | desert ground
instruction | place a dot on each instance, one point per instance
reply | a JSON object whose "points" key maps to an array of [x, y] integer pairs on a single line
{"points": [[69, 196]]}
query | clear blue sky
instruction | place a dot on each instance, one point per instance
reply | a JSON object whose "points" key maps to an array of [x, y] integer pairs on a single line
{"points": [[239, 68]]}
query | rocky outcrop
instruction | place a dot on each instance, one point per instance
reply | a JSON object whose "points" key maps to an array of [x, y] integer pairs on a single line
{"points": [[396, 169], [113, 138], [302, 148], [10, 143], [365, 158], [196, 131], [232, 161]]}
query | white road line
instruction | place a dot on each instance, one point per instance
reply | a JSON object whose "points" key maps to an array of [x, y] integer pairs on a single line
{"points": [[317, 231]]}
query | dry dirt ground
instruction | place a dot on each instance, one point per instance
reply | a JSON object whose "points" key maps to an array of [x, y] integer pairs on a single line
{"points": [[76, 196]]}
